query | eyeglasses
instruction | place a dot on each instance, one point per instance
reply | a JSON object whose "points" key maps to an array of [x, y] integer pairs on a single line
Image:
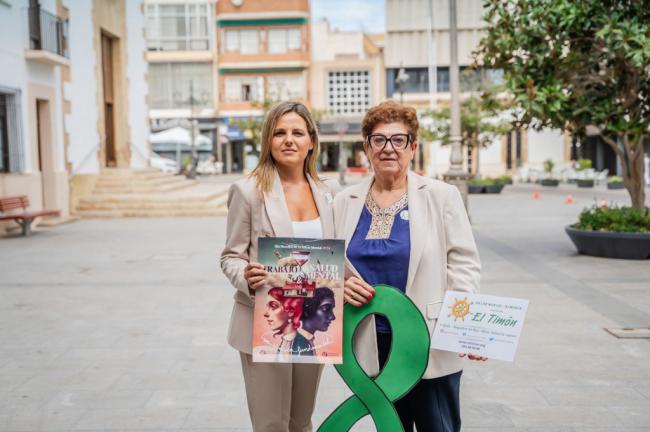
{"points": [[379, 141]]}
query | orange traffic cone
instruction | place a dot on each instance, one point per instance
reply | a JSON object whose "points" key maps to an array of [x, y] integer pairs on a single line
{"points": [[536, 195], [569, 199]]}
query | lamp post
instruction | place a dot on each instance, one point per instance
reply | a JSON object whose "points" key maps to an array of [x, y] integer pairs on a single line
{"points": [[456, 174], [341, 128], [401, 79]]}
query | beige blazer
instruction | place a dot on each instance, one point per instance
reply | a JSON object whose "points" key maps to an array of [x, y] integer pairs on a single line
{"points": [[443, 257], [251, 216]]}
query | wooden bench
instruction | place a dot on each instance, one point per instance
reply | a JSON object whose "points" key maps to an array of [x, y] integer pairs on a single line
{"points": [[24, 218]]}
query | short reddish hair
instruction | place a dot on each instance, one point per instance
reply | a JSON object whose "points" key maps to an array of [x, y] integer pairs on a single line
{"points": [[390, 112], [290, 304]]}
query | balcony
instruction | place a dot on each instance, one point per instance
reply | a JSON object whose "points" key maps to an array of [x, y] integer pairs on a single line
{"points": [[48, 37]]}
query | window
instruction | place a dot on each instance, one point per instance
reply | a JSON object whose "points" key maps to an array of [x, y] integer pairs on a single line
{"points": [[11, 144], [244, 89], [4, 135], [179, 85], [178, 27], [418, 79], [284, 40], [241, 41], [348, 92], [286, 87]]}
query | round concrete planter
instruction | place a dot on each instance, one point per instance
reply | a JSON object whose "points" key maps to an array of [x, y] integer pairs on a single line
{"points": [[610, 244], [615, 186], [585, 183], [550, 182]]}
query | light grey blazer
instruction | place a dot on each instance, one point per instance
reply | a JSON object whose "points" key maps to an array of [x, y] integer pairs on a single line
{"points": [[443, 257], [251, 216]]}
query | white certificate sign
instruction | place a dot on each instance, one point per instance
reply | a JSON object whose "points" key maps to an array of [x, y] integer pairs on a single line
{"points": [[480, 324]]}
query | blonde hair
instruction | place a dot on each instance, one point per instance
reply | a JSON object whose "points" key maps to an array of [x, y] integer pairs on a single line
{"points": [[264, 172]]}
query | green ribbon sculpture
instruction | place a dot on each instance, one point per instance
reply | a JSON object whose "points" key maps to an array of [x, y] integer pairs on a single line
{"points": [[405, 366]]}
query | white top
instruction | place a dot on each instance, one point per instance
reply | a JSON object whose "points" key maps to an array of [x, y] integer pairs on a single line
{"points": [[308, 229]]}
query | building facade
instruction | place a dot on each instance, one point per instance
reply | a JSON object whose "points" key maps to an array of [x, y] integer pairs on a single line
{"points": [[182, 60], [64, 110], [347, 78], [417, 35], [264, 54]]}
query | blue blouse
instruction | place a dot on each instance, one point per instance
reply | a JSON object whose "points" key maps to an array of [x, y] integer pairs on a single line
{"points": [[382, 260]]}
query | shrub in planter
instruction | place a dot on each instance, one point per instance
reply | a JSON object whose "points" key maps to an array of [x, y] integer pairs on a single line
{"points": [[549, 181], [486, 185], [614, 219], [612, 232], [506, 179], [615, 182], [585, 183], [584, 164]]}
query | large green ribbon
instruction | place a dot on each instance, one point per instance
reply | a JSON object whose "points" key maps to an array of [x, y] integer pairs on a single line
{"points": [[405, 366]]}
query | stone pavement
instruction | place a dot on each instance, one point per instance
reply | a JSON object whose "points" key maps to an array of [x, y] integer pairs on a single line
{"points": [[113, 325]]}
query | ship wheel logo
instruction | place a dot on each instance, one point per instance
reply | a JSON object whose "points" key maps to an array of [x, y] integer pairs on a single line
{"points": [[460, 309]]}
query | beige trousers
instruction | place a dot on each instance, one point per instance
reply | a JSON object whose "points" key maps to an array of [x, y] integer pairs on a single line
{"points": [[281, 396]]}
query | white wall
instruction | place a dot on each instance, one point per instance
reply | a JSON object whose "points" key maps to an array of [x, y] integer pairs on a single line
{"points": [[17, 73], [327, 44], [547, 144], [406, 27], [13, 73], [137, 85], [81, 91]]}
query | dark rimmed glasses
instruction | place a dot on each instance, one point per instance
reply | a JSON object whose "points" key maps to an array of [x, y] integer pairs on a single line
{"points": [[399, 141]]}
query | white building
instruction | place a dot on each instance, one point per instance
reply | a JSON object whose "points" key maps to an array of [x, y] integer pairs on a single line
{"points": [[347, 78], [73, 96], [408, 47]]}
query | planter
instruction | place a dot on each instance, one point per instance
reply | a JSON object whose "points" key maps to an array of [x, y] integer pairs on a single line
{"points": [[494, 189], [610, 244], [585, 183], [550, 182], [475, 189], [615, 186]]}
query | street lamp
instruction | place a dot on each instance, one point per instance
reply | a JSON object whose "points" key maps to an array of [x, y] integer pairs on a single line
{"points": [[456, 174], [401, 79], [341, 128]]}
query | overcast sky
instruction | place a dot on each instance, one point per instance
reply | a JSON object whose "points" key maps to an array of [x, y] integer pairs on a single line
{"points": [[352, 15]]}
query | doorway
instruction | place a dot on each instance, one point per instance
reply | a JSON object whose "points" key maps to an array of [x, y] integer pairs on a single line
{"points": [[513, 150], [109, 99]]}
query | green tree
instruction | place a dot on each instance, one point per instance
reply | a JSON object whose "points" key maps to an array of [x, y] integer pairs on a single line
{"points": [[570, 64], [483, 116], [252, 125]]}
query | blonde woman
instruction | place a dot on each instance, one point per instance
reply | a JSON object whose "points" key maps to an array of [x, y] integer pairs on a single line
{"points": [[283, 197]]}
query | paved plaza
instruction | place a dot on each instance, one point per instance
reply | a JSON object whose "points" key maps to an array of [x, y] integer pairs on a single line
{"points": [[114, 325]]}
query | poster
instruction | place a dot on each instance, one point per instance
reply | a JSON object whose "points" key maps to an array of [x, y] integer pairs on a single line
{"points": [[480, 324], [299, 311]]}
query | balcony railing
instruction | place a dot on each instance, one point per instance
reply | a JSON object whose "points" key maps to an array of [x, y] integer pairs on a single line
{"points": [[47, 32]]}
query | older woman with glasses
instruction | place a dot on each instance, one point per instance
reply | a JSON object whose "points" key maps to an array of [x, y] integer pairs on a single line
{"points": [[413, 233]]}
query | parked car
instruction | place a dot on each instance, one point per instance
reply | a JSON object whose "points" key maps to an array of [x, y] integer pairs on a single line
{"points": [[163, 164]]}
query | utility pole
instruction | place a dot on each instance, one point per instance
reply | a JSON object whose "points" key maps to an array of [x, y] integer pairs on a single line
{"points": [[433, 52], [191, 174], [456, 174]]}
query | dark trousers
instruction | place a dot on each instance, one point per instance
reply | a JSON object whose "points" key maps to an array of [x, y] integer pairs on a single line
{"points": [[433, 405]]}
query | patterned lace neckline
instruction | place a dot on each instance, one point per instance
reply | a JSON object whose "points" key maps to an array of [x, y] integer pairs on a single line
{"points": [[382, 221], [391, 210]]}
